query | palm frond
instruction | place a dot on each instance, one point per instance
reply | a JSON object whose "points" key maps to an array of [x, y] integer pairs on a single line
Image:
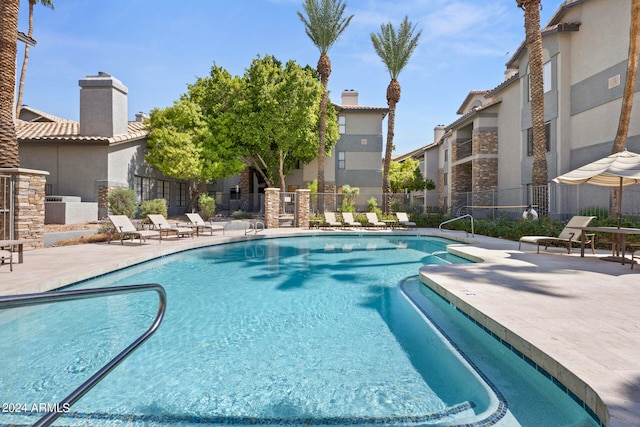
{"points": [[324, 22], [395, 48]]}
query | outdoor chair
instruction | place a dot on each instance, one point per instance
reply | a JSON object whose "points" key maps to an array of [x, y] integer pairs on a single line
{"points": [[125, 228], [567, 236], [196, 221], [373, 221], [330, 220], [164, 228], [349, 221], [403, 220], [6, 256]]}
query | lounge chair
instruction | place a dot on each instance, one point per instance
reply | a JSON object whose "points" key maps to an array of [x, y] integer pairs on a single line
{"points": [[403, 220], [196, 221], [330, 220], [164, 228], [349, 221], [125, 228], [567, 236], [373, 221], [6, 256]]}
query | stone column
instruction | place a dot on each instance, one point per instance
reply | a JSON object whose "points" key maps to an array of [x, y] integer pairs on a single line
{"points": [[303, 203], [28, 215], [272, 207]]}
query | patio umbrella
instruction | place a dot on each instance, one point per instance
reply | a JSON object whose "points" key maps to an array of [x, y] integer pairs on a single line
{"points": [[617, 170]]}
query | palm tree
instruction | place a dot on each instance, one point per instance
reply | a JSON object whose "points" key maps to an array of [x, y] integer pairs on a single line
{"points": [[534, 47], [394, 49], [23, 72], [324, 23], [629, 90], [8, 44]]}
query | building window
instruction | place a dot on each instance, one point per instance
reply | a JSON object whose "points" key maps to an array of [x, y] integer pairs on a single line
{"points": [[546, 77], [445, 179], [342, 125], [164, 190], [182, 195], [342, 159], [446, 155], [142, 188], [547, 134]]}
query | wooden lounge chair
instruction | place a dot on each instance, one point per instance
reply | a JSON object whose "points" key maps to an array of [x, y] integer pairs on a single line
{"points": [[567, 236], [6, 256], [125, 228], [330, 220], [373, 221], [196, 221], [403, 220], [349, 221], [164, 228]]}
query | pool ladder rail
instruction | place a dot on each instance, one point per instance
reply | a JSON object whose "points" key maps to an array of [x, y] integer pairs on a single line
{"points": [[14, 301], [253, 226], [457, 218]]}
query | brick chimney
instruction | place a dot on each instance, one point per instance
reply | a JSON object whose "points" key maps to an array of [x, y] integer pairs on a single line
{"points": [[349, 97], [103, 106]]}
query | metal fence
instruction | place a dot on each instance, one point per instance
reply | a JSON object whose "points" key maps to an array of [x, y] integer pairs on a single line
{"points": [[7, 189]]}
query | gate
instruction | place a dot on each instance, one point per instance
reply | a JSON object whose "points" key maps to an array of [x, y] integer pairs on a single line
{"points": [[7, 191]]}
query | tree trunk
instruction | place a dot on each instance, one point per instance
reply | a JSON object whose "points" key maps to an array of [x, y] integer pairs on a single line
{"points": [[393, 96], [8, 45], [324, 69], [25, 61]]}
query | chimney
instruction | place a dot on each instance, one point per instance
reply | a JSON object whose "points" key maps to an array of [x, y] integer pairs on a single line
{"points": [[141, 116], [103, 106], [349, 97], [438, 133]]}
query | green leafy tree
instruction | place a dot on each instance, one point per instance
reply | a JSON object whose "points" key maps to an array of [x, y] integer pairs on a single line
{"points": [[325, 21], [207, 206], [278, 123], [394, 49], [181, 145], [122, 201], [406, 175], [349, 198]]}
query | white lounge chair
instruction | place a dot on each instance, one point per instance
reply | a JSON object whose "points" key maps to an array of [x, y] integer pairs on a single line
{"points": [[567, 236], [373, 221], [403, 220], [196, 221], [125, 228], [164, 228], [349, 221], [330, 220]]}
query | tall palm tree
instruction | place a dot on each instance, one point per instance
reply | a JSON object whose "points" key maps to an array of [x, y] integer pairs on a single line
{"points": [[8, 44], [394, 49], [324, 23], [627, 96], [23, 72], [536, 89]]}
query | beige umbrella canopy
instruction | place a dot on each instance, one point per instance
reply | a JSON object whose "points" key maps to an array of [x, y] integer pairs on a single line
{"points": [[617, 170]]}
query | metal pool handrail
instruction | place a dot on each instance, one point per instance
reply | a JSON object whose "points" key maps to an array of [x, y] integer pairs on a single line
{"points": [[14, 301], [457, 218]]}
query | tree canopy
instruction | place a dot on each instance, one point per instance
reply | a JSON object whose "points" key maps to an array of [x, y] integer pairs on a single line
{"points": [[406, 175]]}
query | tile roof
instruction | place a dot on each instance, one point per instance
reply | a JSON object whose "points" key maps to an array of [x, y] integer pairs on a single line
{"points": [[41, 116], [383, 110], [68, 130]]}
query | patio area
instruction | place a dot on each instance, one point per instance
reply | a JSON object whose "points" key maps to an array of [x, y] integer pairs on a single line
{"points": [[576, 317]]}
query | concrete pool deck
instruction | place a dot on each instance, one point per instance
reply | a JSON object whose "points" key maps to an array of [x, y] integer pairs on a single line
{"points": [[577, 318]]}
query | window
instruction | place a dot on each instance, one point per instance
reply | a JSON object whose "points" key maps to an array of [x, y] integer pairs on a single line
{"points": [[142, 188], [164, 190], [182, 195], [446, 155], [342, 125], [547, 133], [546, 77], [445, 179], [342, 159]]}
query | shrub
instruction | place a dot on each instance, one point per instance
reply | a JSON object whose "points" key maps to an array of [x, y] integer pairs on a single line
{"points": [[372, 206], [122, 201], [207, 206], [154, 207], [349, 199], [240, 214]]}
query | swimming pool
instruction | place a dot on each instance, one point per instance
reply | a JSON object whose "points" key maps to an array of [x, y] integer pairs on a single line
{"points": [[286, 331]]}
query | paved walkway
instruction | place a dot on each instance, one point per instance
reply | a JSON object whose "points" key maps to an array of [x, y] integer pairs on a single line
{"points": [[579, 318]]}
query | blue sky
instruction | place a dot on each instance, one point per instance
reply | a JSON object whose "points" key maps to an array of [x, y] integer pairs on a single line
{"points": [[156, 48]]}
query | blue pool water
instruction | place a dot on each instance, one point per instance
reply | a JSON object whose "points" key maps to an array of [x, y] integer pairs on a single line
{"points": [[287, 331]]}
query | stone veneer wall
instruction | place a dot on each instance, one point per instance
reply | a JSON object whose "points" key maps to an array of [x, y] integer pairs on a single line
{"points": [[485, 166], [303, 204], [29, 203], [272, 207]]}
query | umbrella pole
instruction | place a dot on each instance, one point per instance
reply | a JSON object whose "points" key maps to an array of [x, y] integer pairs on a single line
{"points": [[620, 204]]}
